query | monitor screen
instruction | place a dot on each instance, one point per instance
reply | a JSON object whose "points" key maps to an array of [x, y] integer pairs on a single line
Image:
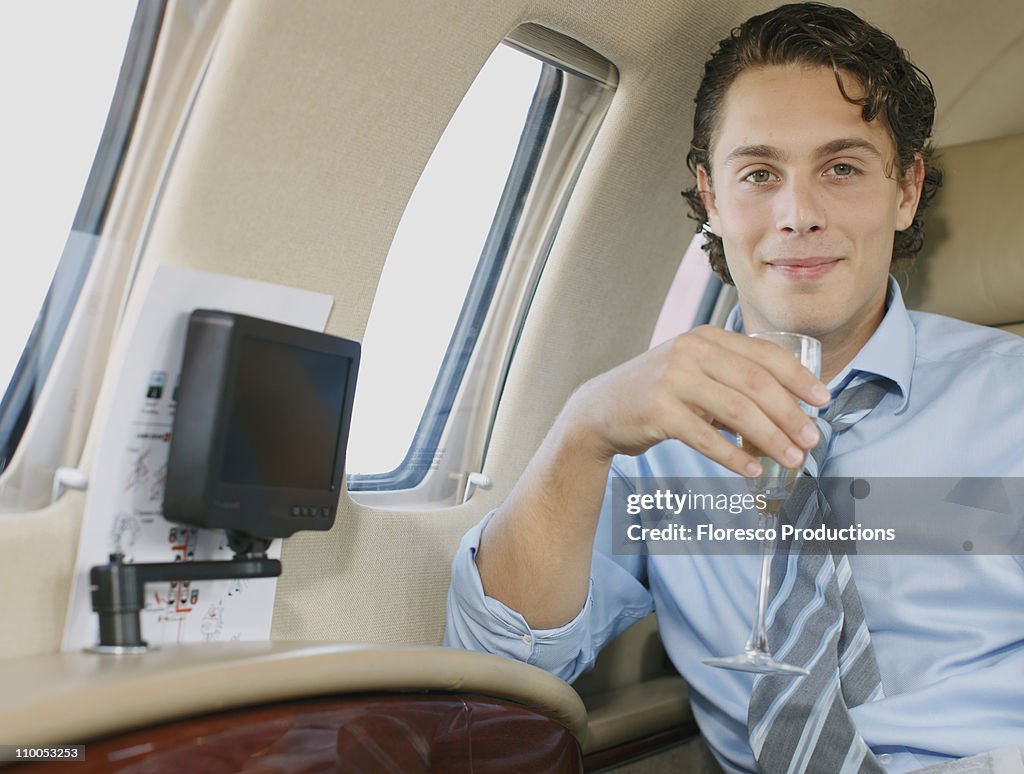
{"points": [[285, 416]]}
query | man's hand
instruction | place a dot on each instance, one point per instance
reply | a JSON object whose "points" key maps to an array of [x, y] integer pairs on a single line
{"points": [[698, 381], [535, 553]]}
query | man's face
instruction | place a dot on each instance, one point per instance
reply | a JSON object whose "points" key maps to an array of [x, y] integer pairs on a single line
{"points": [[806, 200]]}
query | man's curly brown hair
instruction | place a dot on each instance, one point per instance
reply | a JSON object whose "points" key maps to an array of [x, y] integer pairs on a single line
{"points": [[895, 91]]}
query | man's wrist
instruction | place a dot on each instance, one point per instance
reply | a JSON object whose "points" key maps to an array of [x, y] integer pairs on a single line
{"points": [[577, 431]]}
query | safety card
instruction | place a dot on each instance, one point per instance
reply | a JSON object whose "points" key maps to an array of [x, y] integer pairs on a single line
{"points": [[123, 511]]}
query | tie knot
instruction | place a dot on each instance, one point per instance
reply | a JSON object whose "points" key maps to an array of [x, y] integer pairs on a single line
{"points": [[851, 405], [855, 402]]}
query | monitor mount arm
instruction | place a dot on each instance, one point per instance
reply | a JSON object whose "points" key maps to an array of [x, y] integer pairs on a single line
{"points": [[118, 589]]}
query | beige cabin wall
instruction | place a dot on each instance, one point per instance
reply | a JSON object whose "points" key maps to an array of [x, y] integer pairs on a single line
{"points": [[310, 131]]}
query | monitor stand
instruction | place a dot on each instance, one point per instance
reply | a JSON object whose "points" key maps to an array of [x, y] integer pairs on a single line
{"points": [[118, 589]]}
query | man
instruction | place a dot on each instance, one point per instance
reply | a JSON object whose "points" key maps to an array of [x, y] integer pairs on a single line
{"points": [[813, 165]]}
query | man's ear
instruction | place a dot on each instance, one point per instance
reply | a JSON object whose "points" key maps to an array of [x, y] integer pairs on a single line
{"points": [[910, 193], [707, 196]]}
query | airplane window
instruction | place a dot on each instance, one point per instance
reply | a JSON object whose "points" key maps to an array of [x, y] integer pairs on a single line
{"points": [[433, 256], [63, 133], [462, 267]]}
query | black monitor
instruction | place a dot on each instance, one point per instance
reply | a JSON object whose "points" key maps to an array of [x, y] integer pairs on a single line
{"points": [[260, 427]]}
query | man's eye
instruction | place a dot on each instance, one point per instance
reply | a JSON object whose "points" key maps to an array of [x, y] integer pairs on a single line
{"points": [[843, 170], [759, 176]]}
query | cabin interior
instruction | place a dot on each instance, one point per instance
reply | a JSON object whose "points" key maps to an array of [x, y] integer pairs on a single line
{"points": [[282, 142]]}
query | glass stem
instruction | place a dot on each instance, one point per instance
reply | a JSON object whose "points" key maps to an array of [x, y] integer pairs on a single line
{"points": [[758, 635]]}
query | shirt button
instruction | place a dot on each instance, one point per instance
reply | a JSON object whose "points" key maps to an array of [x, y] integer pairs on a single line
{"points": [[885, 759], [528, 640]]}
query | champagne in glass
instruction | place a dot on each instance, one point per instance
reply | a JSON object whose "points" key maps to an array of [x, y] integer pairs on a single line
{"points": [[775, 483]]}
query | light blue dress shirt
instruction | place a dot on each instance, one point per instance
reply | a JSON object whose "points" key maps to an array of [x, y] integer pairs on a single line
{"points": [[948, 631]]}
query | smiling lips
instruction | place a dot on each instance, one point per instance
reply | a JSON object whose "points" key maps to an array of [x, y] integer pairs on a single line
{"points": [[804, 268]]}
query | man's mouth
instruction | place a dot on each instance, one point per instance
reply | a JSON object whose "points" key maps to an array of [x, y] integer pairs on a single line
{"points": [[804, 268]]}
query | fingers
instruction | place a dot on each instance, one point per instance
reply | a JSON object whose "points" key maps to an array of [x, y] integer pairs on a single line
{"points": [[744, 416], [786, 369], [704, 438], [751, 390], [752, 402]]}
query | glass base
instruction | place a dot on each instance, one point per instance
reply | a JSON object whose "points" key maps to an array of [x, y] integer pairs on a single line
{"points": [[756, 661]]}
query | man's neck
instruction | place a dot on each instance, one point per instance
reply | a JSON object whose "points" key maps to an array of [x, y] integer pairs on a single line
{"points": [[839, 347]]}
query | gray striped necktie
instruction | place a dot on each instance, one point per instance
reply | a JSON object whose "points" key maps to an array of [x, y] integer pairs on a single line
{"points": [[816, 620]]}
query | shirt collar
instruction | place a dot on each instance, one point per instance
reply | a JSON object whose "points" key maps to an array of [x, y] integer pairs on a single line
{"points": [[889, 353]]}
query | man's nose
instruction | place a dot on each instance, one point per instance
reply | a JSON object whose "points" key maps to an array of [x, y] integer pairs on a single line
{"points": [[800, 208]]}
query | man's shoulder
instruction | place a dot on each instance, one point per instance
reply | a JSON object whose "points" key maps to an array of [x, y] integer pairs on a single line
{"points": [[942, 339]]}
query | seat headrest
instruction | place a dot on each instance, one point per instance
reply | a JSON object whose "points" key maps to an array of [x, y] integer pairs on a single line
{"points": [[972, 263]]}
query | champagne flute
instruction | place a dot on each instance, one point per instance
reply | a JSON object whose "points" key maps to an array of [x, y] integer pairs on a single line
{"points": [[775, 483]]}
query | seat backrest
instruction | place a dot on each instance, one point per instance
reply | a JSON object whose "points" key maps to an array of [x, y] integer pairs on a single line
{"points": [[972, 264]]}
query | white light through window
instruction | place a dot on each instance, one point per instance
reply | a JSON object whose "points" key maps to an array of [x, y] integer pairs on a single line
{"points": [[432, 259], [59, 63]]}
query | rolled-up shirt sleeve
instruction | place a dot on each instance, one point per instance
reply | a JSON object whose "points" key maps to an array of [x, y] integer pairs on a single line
{"points": [[616, 600]]}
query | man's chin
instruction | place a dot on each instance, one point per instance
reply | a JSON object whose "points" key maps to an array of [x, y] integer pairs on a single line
{"points": [[780, 309], [816, 328], [808, 322]]}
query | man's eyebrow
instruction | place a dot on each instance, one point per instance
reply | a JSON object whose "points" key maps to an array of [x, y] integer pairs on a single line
{"points": [[755, 152], [845, 144]]}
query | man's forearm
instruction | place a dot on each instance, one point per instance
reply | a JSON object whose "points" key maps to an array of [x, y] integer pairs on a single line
{"points": [[535, 553]]}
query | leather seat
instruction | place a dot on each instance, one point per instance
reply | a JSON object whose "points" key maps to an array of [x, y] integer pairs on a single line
{"points": [[972, 264]]}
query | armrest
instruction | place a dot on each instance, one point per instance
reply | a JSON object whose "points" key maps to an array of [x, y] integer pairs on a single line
{"points": [[633, 690], [637, 711], [58, 697]]}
